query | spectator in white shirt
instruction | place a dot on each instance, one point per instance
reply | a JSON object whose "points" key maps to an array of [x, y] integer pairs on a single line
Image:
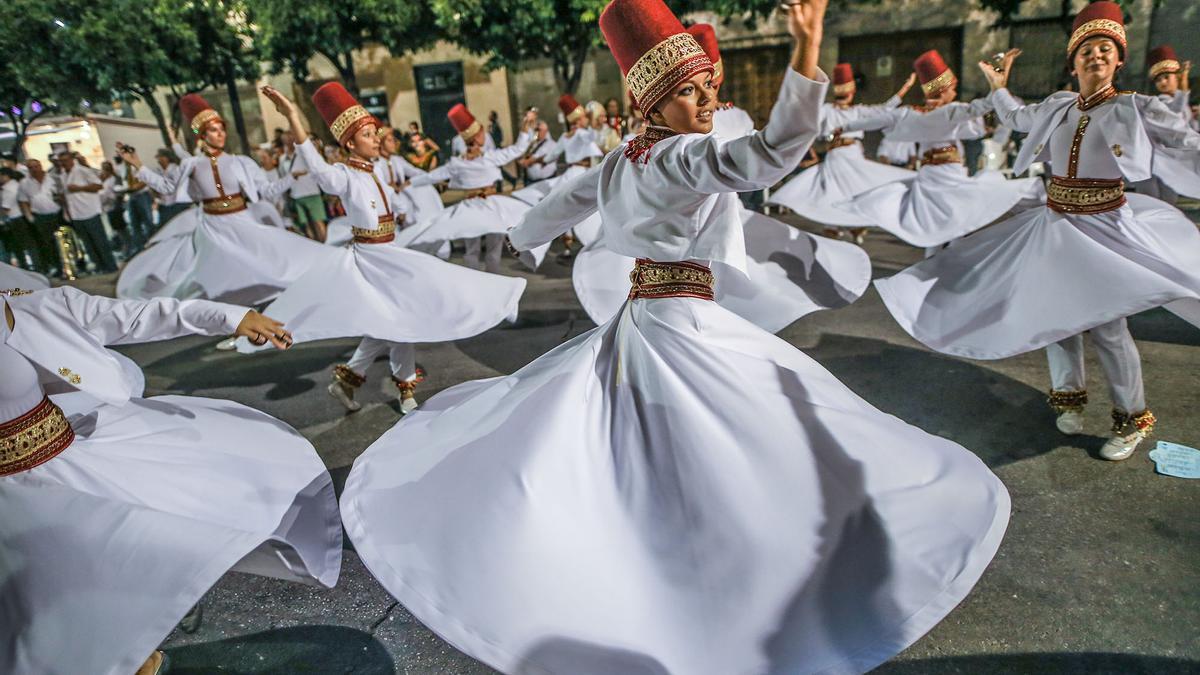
{"points": [[168, 205], [35, 198], [81, 191], [15, 237]]}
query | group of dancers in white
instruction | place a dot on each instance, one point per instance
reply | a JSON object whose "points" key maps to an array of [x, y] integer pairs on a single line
{"points": [[674, 491]]}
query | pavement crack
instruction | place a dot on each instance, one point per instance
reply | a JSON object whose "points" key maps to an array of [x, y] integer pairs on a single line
{"points": [[378, 622]]}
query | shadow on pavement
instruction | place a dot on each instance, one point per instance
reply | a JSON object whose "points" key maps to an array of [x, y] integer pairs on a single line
{"points": [[1160, 325], [953, 398], [202, 368], [1059, 664], [302, 649]]}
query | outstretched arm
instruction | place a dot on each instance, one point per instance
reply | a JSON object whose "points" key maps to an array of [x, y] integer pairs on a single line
{"points": [[564, 208], [761, 159], [115, 322]]}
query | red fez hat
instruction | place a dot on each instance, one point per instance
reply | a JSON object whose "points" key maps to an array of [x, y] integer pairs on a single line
{"points": [[341, 111], [933, 72], [1163, 60], [1099, 18], [197, 112], [843, 79], [706, 37], [464, 122], [570, 107], [653, 50]]}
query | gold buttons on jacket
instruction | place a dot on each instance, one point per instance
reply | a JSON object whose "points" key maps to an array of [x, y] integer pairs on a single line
{"points": [[69, 376], [1117, 150]]}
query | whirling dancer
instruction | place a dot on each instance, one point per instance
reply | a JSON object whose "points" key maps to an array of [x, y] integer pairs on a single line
{"points": [[400, 296], [419, 203], [1090, 257], [845, 172], [788, 273], [484, 215], [230, 255], [675, 491], [942, 202], [1175, 172], [121, 512]]}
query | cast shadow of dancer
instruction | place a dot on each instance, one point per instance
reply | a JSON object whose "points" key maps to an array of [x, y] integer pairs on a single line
{"points": [[283, 651]]}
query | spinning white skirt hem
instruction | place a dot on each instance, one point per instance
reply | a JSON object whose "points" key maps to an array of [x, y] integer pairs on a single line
{"points": [[676, 491]]}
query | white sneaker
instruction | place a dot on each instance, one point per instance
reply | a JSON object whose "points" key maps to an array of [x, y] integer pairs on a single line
{"points": [[346, 398], [1070, 422], [228, 344], [1121, 447], [407, 404]]}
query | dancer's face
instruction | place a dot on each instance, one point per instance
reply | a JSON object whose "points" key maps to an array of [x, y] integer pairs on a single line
{"points": [[389, 143], [1167, 83], [688, 109], [365, 142], [214, 135], [1096, 61], [844, 99]]}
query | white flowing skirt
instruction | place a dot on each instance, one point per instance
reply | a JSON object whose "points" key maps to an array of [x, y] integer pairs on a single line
{"points": [[791, 274], [1042, 276], [186, 222], [109, 544], [1179, 170], [340, 232], [424, 202], [675, 491], [15, 277], [942, 203], [390, 293], [469, 219], [844, 173], [231, 258]]}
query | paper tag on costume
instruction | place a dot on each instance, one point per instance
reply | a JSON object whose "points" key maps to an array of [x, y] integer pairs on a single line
{"points": [[1172, 459]]}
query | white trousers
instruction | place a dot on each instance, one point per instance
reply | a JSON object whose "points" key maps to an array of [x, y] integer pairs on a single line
{"points": [[1118, 356], [402, 356], [495, 249]]}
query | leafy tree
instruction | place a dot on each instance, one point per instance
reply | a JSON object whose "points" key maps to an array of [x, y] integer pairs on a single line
{"points": [[291, 32], [33, 82], [509, 32]]}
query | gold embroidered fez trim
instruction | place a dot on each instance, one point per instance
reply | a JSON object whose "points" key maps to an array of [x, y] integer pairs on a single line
{"points": [[843, 89], [349, 121], [470, 132], [1106, 27], [650, 279], [226, 204], [202, 119], [1165, 66], [576, 113], [719, 71], [664, 65], [383, 234], [34, 438], [938, 83], [1084, 195]]}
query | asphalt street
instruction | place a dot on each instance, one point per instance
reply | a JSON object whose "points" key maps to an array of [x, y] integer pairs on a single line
{"points": [[1099, 571]]}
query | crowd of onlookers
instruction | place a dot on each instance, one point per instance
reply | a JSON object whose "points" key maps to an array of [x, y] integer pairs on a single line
{"points": [[110, 215]]}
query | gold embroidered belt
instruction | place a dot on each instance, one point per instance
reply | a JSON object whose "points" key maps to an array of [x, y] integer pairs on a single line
{"points": [[482, 193], [944, 155], [841, 142], [219, 206], [650, 279], [1085, 195], [34, 438], [386, 232]]}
